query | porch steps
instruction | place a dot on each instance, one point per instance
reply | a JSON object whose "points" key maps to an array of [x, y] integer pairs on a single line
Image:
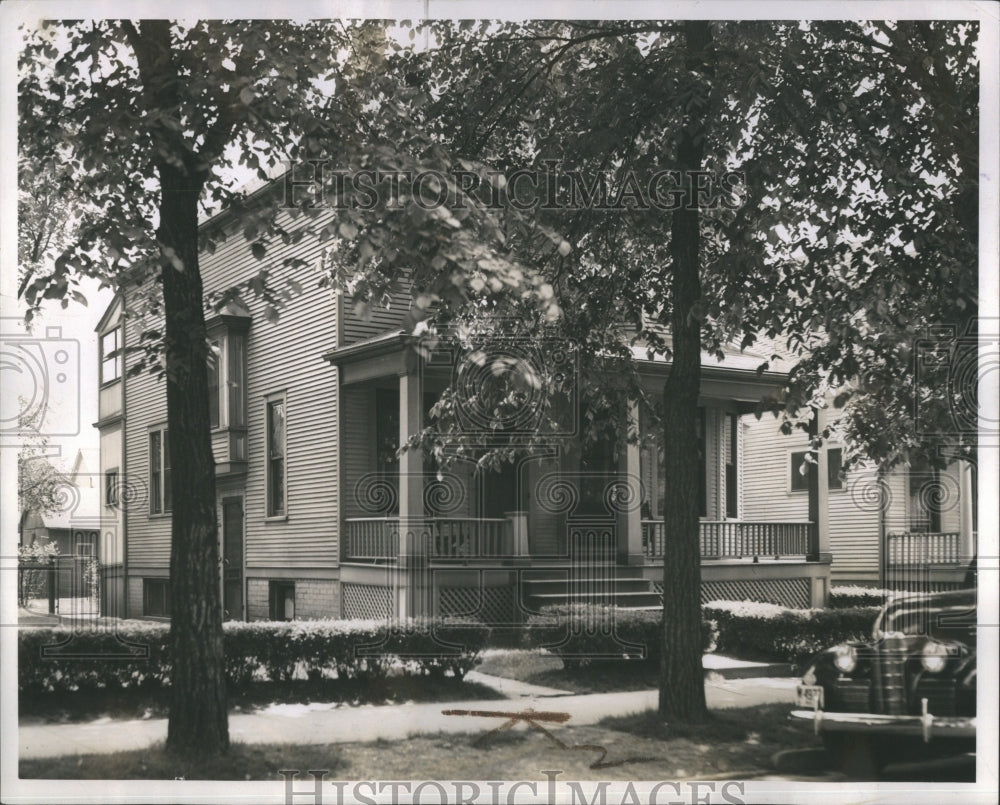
{"points": [[597, 584]]}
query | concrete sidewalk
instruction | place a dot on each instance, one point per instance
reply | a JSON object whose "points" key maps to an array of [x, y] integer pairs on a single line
{"points": [[320, 723]]}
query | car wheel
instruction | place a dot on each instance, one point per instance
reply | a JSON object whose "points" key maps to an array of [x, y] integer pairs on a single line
{"points": [[857, 756]]}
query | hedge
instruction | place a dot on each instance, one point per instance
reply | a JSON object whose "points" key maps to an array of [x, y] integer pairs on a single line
{"points": [[753, 630], [585, 633], [255, 652], [856, 596]]}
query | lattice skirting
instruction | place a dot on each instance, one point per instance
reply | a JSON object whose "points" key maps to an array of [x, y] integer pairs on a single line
{"points": [[492, 605], [786, 592], [366, 601]]}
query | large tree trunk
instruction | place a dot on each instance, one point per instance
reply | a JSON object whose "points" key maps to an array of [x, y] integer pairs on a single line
{"points": [[682, 680], [198, 717]]}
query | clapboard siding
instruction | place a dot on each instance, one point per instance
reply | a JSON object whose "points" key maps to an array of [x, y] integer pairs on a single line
{"points": [[145, 405], [766, 494], [854, 526], [357, 460], [379, 318]]}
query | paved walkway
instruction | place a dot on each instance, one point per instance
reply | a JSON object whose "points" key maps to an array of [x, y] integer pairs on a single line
{"points": [[320, 723]]}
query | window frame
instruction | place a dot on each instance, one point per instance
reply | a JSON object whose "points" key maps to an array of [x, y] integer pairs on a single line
{"points": [[163, 594], [272, 511], [227, 351], [160, 489], [112, 485], [276, 595], [834, 480], [115, 355], [793, 472]]}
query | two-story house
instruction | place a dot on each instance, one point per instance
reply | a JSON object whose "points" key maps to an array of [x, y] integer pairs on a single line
{"points": [[319, 517]]}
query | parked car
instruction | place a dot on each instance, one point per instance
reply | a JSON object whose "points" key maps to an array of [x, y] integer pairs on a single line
{"points": [[909, 694]]}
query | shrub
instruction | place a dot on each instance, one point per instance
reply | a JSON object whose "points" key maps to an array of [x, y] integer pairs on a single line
{"points": [[754, 630], [856, 596], [137, 654], [584, 633], [32, 564]]}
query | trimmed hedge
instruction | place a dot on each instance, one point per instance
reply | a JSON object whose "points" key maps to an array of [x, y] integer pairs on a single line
{"points": [[753, 630], [856, 596], [584, 633], [137, 654]]}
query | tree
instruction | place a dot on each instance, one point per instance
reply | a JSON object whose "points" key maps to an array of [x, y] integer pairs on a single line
{"points": [[144, 118], [855, 227]]}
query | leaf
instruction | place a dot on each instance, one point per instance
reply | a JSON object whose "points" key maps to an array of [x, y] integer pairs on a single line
{"points": [[259, 250]]}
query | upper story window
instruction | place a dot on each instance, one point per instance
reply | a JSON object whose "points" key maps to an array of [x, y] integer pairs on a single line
{"points": [[801, 470], [276, 468], [111, 487], [111, 355], [835, 466], [160, 497], [227, 380]]}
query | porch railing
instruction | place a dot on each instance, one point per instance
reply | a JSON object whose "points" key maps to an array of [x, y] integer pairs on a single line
{"points": [[469, 537], [376, 539], [371, 539], [913, 548], [736, 539]]}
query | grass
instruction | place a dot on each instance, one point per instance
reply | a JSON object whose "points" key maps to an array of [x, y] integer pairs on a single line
{"points": [[731, 744], [141, 704]]}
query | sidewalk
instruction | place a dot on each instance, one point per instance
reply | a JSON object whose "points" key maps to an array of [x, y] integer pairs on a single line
{"points": [[320, 723]]}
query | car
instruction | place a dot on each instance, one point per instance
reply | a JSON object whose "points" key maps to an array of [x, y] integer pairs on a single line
{"points": [[909, 694]]}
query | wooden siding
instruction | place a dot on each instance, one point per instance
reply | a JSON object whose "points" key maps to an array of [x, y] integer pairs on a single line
{"points": [[145, 406], [766, 495], [357, 459], [285, 355]]}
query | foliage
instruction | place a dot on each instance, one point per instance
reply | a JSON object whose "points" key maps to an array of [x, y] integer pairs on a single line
{"points": [[855, 596], [32, 562], [136, 654], [754, 630]]}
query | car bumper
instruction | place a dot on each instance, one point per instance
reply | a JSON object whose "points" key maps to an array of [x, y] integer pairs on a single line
{"points": [[928, 726]]}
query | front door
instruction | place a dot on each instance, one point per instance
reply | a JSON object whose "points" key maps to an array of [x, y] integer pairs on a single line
{"points": [[232, 558]]}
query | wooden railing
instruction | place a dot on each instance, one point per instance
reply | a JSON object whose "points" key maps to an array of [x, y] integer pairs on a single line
{"points": [[371, 539], [469, 537], [913, 549], [376, 539], [734, 539]]}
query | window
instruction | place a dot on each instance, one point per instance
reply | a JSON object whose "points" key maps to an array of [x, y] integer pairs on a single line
{"points": [[159, 472], [214, 390], [111, 487], [276, 487], [227, 381], [281, 600], [156, 598], [732, 478], [834, 464], [801, 470], [111, 356]]}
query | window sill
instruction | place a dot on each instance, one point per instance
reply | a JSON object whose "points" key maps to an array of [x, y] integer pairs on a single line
{"points": [[276, 518], [161, 515]]}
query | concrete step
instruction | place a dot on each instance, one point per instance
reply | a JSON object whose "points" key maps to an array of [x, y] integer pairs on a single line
{"points": [[539, 586], [626, 599]]}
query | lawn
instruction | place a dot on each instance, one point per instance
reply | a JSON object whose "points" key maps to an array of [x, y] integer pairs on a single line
{"points": [[548, 670], [732, 744]]}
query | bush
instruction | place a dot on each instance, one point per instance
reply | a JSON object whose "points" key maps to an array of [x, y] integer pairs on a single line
{"points": [[753, 630], [855, 596], [584, 633], [137, 655]]}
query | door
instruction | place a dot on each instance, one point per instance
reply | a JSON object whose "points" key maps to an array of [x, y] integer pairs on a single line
{"points": [[232, 558]]}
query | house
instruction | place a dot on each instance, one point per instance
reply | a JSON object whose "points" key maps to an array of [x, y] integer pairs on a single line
{"points": [[319, 518], [912, 527], [74, 528]]}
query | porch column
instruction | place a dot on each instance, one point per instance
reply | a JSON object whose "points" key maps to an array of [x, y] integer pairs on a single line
{"points": [[414, 588], [966, 530], [629, 515]]}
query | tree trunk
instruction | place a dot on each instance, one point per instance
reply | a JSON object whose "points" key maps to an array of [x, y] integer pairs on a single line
{"points": [[198, 716], [682, 680]]}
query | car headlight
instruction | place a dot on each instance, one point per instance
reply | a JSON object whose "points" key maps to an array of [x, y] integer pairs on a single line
{"points": [[845, 658], [935, 656]]}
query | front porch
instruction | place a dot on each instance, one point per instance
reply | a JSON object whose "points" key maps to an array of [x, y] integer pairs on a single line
{"points": [[418, 539]]}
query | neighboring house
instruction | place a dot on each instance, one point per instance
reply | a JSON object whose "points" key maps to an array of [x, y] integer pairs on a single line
{"points": [[318, 518], [74, 528], [912, 527]]}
